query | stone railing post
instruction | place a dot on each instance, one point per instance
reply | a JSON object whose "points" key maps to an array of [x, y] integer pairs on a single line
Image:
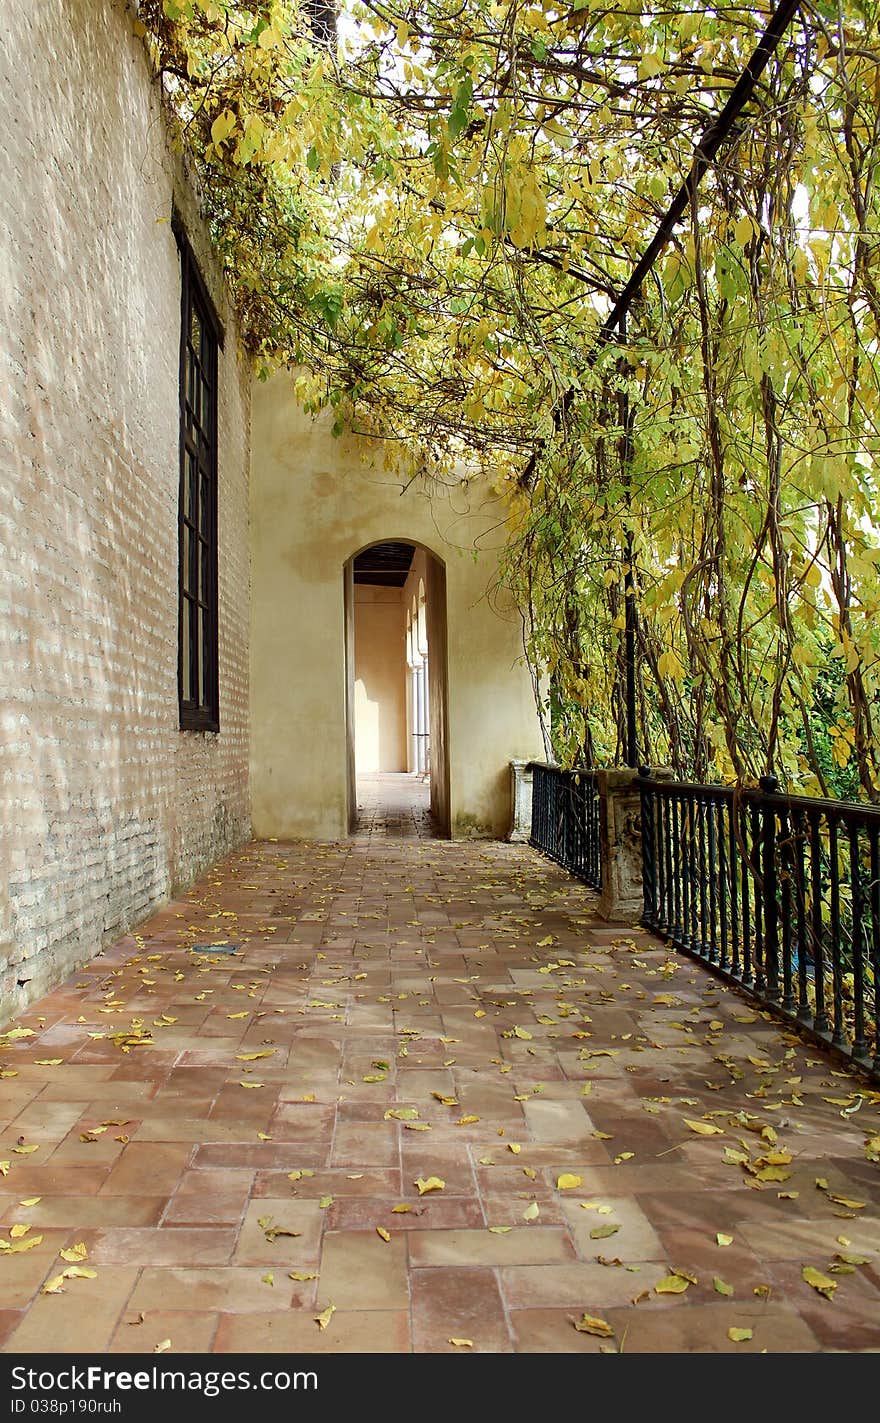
{"points": [[620, 836], [520, 802]]}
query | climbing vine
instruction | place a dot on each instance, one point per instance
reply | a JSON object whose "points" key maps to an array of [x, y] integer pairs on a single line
{"points": [[428, 210]]}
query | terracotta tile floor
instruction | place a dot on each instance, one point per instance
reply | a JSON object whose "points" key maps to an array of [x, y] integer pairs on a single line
{"points": [[226, 1136]]}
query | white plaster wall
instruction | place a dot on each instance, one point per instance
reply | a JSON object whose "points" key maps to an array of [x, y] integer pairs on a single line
{"points": [[315, 503]]}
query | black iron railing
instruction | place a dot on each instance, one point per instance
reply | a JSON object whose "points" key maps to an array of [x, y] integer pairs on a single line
{"points": [[779, 893], [565, 820]]}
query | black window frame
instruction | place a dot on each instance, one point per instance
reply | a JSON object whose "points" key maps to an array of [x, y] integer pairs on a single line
{"points": [[197, 579]]}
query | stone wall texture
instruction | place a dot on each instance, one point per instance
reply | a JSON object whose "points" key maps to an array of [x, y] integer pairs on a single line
{"points": [[105, 805]]}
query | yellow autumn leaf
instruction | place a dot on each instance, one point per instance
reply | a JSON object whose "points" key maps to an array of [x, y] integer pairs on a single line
{"points": [[80, 1272], [162, 1347], [17, 1231], [500, 1229], [672, 1285], [267, 1279], [25, 1150], [324, 1202], [31, 1201], [466, 1121], [462, 1343], [323, 1319], [432, 1183], [720, 1287], [722, 1239], [53, 1286], [568, 1181], [301, 1275], [515, 1147], [602, 1232], [18, 1247], [703, 1128], [48, 1061], [591, 1324], [251, 1084], [822, 1284], [522, 1033], [381, 1231], [75, 1252], [253, 1056], [739, 1336], [531, 1211]]}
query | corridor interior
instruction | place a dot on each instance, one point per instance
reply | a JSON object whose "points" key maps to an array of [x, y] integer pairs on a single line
{"points": [[392, 739]]}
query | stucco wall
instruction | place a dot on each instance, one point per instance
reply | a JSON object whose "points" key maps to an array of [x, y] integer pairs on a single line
{"points": [[104, 803], [379, 679], [315, 502]]}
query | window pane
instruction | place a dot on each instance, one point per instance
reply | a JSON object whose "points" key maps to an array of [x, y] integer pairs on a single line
{"points": [[204, 581], [192, 487], [185, 583], [185, 652], [195, 331], [202, 649]]}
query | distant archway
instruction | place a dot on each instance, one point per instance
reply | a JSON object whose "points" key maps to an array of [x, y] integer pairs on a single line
{"points": [[396, 712]]}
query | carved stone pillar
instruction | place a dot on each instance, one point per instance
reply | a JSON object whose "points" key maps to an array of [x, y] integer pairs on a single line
{"points": [[520, 802], [620, 833]]}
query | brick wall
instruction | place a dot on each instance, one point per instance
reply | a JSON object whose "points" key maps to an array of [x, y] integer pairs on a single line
{"points": [[105, 805]]}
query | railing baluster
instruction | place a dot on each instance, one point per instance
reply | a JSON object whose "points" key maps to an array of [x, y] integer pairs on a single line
{"points": [[729, 832], [816, 932], [804, 1010], [786, 886], [837, 1036], [670, 871], [770, 892], [875, 902], [702, 868], [859, 1043], [712, 855], [746, 888], [719, 819]]}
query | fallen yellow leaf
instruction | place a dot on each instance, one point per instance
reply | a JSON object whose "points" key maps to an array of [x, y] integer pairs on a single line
{"points": [[590, 1324], [75, 1252], [323, 1319], [822, 1284], [462, 1343], [672, 1285], [739, 1336], [433, 1183], [568, 1182], [703, 1128], [163, 1346], [385, 1234], [724, 1239]]}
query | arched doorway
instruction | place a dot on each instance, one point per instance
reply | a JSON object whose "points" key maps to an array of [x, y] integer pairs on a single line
{"points": [[395, 618]]}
